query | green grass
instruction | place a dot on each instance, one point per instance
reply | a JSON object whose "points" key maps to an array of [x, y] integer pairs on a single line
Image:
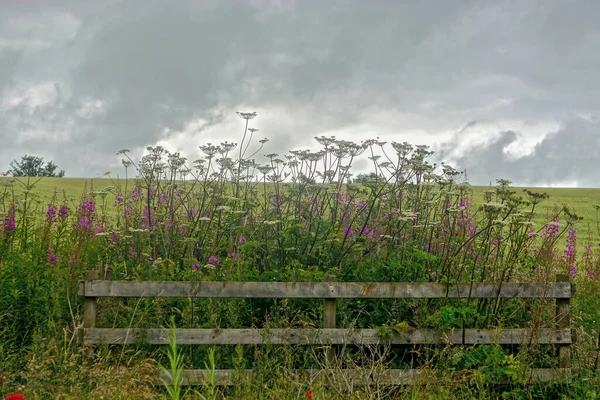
{"points": [[580, 200], [70, 189]]}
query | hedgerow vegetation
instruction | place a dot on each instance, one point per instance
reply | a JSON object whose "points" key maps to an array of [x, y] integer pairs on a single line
{"points": [[296, 217]]}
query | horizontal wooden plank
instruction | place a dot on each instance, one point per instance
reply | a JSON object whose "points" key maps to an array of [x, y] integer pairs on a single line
{"points": [[326, 336], [326, 290], [227, 377]]}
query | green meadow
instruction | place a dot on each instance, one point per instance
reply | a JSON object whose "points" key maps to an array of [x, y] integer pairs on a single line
{"points": [[294, 225], [582, 201]]}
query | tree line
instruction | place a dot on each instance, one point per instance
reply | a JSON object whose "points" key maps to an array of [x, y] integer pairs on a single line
{"points": [[34, 166]]}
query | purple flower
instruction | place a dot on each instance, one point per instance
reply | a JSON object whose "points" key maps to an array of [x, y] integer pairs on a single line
{"points": [[348, 231], [195, 266], [100, 229], [51, 214], [551, 229], [241, 241], [148, 215], [119, 199], [10, 224], [570, 252], [163, 198], [592, 274], [52, 259], [136, 193], [472, 228], [63, 212], [114, 236], [84, 223], [191, 213], [87, 207], [214, 260]]}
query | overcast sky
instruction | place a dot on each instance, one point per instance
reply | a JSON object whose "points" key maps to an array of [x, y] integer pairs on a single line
{"points": [[503, 89]]}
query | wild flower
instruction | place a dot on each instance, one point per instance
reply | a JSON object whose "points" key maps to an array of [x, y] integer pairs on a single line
{"points": [[87, 207], [10, 224], [84, 223], [15, 396], [570, 252], [196, 266], [310, 395], [592, 274], [573, 270], [51, 214], [148, 216], [63, 212], [471, 228], [241, 241], [114, 236], [52, 259], [119, 199], [136, 193], [214, 260], [191, 213], [100, 229], [551, 230], [163, 198], [347, 232], [362, 206]]}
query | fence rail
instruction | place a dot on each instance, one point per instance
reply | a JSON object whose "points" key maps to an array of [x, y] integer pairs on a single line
{"points": [[562, 290], [325, 290]]}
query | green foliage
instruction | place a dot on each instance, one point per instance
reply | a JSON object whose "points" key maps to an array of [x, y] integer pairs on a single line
{"points": [[299, 219], [34, 166]]}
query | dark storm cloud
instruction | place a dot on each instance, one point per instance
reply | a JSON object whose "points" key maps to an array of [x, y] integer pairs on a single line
{"points": [[567, 156], [81, 80]]}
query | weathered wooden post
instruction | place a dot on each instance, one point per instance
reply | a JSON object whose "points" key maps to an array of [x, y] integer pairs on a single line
{"points": [[89, 303], [563, 321], [329, 319]]}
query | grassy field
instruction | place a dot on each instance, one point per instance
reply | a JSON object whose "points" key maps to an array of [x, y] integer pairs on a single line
{"points": [[52, 231], [580, 200]]}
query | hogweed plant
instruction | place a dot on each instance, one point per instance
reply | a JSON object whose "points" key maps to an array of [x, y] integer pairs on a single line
{"points": [[243, 212]]}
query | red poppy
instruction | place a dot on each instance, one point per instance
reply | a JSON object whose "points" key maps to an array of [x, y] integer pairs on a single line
{"points": [[15, 396], [310, 394]]}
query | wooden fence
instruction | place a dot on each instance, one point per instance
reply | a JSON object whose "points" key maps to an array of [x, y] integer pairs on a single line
{"points": [[560, 335]]}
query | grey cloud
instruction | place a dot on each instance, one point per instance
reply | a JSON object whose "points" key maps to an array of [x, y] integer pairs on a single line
{"points": [[567, 156], [308, 66]]}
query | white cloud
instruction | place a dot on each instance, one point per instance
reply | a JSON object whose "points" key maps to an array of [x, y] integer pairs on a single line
{"points": [[30, 96]]}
